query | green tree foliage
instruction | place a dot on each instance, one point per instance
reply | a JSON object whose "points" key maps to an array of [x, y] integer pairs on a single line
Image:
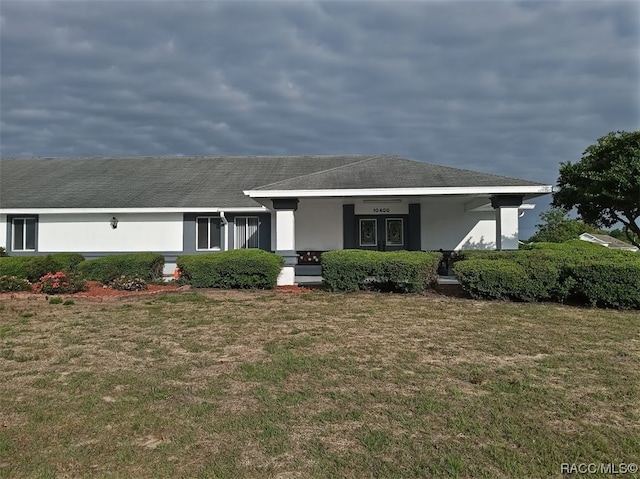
{"points": [[557, 227], [604, 186]]}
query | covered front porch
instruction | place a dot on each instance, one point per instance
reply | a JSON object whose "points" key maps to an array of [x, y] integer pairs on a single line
{"points": [[305, 227]]}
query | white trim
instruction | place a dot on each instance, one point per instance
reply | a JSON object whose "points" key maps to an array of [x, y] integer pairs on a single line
{"points": [[43, 211], [468, 190], [24, 233], [209, 218], [225, 231], [246, 226], [488, 207]]}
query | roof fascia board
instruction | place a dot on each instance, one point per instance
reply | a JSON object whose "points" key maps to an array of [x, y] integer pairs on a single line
{"points": [[488, 207], [468, 190], [42, 211]]}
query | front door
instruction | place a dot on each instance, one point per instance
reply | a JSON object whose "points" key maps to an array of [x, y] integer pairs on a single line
{"points": [[382, 233]]}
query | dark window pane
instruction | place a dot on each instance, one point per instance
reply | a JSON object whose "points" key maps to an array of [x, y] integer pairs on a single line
{"points": [[252, 233], [18, 234], [30, 234], [214, 238], [394, 232], [241, 232], [202, 232], [368, 233]]}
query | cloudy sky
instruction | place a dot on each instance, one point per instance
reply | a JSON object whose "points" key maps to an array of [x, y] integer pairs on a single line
{"points": [[505, 87]]}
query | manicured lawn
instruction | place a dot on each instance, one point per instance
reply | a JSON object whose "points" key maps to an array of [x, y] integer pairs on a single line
{"points": [[265, 384]]}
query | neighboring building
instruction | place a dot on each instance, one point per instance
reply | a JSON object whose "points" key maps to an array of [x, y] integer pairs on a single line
{"points": [[290, 205], [607, 241]]}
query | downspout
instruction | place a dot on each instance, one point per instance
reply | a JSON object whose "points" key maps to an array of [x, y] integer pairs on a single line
{"points": [[225, 229]]}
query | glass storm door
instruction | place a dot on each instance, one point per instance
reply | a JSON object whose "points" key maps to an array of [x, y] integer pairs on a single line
{"points": [[383, 234], [369, 233]]}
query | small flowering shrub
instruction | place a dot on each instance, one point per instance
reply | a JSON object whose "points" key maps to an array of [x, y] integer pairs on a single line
{"points": [[309, 257], [61, 283], [9, 284], [128, 283]]}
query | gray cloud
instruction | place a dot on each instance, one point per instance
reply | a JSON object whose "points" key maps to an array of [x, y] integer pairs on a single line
{"points": [[506, 87]]}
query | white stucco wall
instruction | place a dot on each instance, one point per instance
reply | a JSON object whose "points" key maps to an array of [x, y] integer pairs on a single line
{"points": [[447, 226], [93, 233], [3, 231], [319, 225]]}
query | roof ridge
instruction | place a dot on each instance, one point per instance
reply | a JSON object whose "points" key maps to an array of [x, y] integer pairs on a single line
{"points": [[371, 158]]}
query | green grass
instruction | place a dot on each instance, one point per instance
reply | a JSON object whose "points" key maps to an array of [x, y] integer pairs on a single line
{"points": [[266, 384]]}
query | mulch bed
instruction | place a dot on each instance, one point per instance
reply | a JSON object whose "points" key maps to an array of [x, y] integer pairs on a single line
{"points": [[97, 292]]}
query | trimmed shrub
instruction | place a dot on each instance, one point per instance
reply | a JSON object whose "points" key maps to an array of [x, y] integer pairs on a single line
{"points": [[61, 283], [3, 252], [575, 270], [607, 283], [147, 266], [129, 283], [490, 278], [241, 268], [399, 271], [34, 267], [9, 284]]}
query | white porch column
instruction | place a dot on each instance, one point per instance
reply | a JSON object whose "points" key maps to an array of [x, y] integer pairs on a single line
{"points": [[286, 238], [507, 214]]}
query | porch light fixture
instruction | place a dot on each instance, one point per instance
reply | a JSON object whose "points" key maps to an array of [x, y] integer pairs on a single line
{"points": [[114, 222]]}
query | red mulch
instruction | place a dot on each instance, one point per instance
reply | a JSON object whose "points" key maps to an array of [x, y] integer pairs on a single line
{"points": [[96, 290]]}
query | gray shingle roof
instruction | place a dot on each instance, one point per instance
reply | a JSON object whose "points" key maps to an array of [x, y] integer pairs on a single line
{"points": [[393, 172], [202, 182], [611, 242]]}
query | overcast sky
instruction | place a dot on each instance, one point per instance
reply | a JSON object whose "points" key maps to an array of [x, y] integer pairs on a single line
{"points": [[503, 87]]}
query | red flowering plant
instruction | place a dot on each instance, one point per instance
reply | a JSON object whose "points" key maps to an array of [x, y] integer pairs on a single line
{"points": [[61, 283]]}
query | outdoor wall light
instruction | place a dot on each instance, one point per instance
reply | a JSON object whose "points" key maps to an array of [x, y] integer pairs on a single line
{"points": [[114, 222]]}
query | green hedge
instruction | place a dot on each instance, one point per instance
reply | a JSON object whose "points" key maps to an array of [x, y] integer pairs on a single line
{"points": [[241, 268], [34, 267], [607, 283], [401, 271], [147, 266], [506, 279], [575, 270]]}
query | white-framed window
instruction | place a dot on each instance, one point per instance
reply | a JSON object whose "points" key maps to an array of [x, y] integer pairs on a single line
{"points": [[246, 232], [208, 233], [23, 234], [395, 231], [369, 232]]}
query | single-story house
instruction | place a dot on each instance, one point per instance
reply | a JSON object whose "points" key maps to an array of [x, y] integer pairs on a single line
{"points": [[607, 241], [296, 206]]}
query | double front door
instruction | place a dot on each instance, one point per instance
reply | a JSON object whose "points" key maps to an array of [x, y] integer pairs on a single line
{"points": [[381, 233]]}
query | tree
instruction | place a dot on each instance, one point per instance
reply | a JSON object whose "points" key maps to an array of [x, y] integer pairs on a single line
{"points": [[604, 186], [557, 227]]}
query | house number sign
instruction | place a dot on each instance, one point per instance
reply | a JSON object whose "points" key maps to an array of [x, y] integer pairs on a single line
{"points": [[381, 209]]}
